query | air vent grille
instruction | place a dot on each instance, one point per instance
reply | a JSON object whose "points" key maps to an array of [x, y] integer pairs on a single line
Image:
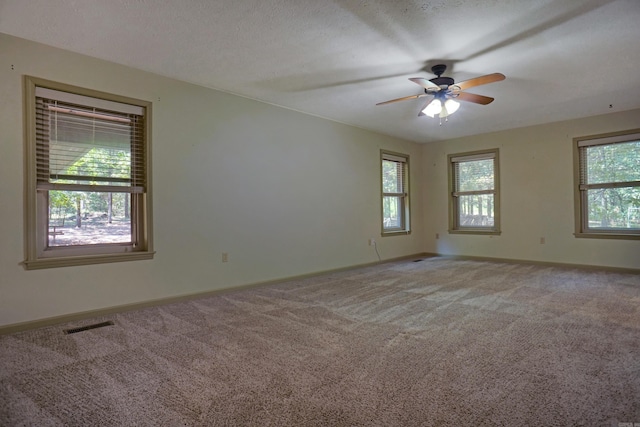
{"points": [[86, 328]]}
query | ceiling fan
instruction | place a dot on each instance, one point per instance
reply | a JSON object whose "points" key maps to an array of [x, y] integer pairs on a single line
{"points": [[445, 91]]}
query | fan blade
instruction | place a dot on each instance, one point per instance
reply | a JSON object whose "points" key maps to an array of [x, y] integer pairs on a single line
{"points": [[420, 114], [402, 99], [475, 98], [430, 86], [482, 80]]}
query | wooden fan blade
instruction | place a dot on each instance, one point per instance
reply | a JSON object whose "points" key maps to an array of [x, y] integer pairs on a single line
{"points": [[482, 80], [404, 98], [472, 97], [430, 86]]}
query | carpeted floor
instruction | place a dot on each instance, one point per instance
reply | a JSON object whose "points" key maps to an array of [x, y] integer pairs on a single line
{"points": [[432, 343]]}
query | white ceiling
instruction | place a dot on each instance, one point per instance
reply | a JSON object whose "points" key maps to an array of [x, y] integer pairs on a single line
{"points": [[337, 59]]}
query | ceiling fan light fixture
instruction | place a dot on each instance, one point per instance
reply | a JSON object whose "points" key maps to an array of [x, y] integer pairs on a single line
{"points": [[433, 108], [445, 89]]}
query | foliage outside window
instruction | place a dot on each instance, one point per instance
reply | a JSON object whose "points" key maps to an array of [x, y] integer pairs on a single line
{"points": [[608, 185], [474, 195], [88, 197], [395, 193]]}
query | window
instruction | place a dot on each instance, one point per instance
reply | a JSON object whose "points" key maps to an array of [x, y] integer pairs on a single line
{"points": [[608, 185], [474, 193], [88, 189], [395, 193]]}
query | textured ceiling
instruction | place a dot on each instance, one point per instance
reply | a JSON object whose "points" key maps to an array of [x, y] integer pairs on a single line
{"points": [[337, 59]]}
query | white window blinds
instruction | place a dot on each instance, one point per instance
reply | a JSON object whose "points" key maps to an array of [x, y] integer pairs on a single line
{"points": [[474, 174], [88, 144]]}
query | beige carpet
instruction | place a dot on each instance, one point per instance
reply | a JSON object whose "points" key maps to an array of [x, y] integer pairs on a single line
{"points": [[431, 343]]}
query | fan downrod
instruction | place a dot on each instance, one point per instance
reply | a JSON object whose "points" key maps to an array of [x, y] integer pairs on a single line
{"points": [[438, 69]]}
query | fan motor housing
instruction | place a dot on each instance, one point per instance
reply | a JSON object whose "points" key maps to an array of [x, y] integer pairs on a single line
{"points": [[442, 81]]}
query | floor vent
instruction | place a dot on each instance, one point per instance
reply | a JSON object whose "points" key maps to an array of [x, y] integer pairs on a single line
{"points": [[417, 260], [86, 328]]}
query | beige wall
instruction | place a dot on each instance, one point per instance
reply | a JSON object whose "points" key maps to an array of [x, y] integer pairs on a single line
{"points": [[283, 193], [537, 196]]}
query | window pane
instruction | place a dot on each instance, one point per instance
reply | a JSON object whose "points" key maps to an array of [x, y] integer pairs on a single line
{"points": [[392, 212], [476, 210], [614, 208], [88, 218], [475, 175], [93, 166], [618, 162], [392, 177]]}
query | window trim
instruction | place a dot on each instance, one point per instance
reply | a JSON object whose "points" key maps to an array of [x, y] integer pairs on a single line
{"points": [[406, 206], [33, 230], [452, 159], [580, 205]]}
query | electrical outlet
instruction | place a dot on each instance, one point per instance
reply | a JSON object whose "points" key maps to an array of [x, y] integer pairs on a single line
{"points": [[372, 242], [225, 257]]}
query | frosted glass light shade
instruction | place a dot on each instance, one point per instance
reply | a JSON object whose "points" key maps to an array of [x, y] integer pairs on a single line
{"points": [[433, 108], [451, 106]]}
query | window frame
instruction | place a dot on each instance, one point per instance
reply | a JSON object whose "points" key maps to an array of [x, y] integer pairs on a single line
{"points": [[403, 196], [582, 229], [37, 254], [454, 208]]}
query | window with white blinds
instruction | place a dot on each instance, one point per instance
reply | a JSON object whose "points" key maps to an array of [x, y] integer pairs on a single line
{"points": [[395, 192], [474, 192], [88, 195], [80, 147], [608, 185]]}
